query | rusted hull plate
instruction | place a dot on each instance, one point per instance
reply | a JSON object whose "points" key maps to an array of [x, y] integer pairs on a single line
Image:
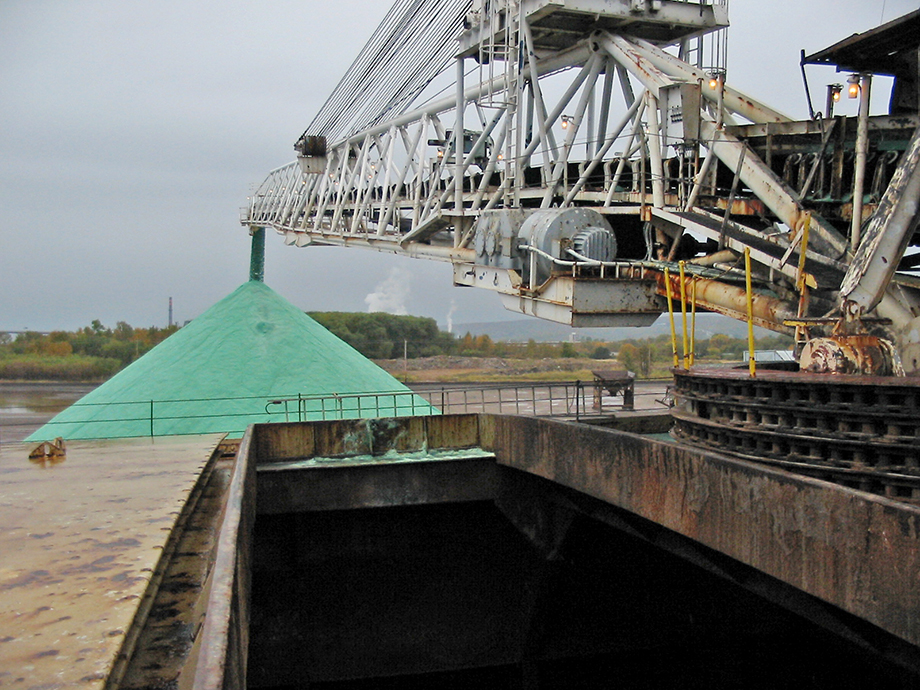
{"points": [[856, 551], [367, 463], [292, 488], [372, 437], [222, 649], [81, 541]]}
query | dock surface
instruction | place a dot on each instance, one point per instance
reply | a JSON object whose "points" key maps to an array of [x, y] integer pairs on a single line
{"points": [[81, 541]]}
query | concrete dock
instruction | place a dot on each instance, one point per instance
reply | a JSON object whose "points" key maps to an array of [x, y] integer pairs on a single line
{"points": [[84, 543]]}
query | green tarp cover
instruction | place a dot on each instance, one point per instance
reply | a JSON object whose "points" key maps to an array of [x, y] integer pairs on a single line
{"points": [[252, 357]]}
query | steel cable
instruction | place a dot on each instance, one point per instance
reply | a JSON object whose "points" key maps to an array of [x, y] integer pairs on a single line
{"points": [[409, 48]]}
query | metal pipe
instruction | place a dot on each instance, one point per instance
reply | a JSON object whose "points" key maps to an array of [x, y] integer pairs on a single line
{"points": [[720, 257], [770, 189], [698, 182], [385, 187], [887, 236], [411, 147], [627, 55], [609, 73], [490, 167], [731, 300], [547, 136], [459, 138], [257, 256], [862, 152], [471, 157], [550, 119], [806, 186], [653, 139], [631, 148]]}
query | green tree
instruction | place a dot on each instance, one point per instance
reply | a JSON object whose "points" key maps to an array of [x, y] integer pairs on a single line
{"points": [[601, 352], [123, 331], [644, 359], [628, 356], [384, 336]]}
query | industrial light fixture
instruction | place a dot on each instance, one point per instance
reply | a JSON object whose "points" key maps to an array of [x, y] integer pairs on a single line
{"points": [[716, 77], [833, 96], [566, 121], [853, 86]]}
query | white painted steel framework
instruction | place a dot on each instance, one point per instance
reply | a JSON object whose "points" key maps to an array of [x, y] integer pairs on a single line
{"points": [[584, 147]]}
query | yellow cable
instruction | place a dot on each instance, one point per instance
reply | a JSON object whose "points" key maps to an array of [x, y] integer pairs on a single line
{"points": [[752, 364]]}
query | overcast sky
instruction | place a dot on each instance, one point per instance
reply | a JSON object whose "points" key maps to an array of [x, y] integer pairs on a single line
{"points": [[132, 132]]}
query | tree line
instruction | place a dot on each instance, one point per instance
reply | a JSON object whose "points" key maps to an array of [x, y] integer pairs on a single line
{"points": [[96, 352], [92, 353]]}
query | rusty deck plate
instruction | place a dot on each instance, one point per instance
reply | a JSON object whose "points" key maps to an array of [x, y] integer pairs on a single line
{"points": [[79, 542]]}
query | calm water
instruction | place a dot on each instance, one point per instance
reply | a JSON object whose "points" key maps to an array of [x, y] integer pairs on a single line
{"points": [[24, 407]]}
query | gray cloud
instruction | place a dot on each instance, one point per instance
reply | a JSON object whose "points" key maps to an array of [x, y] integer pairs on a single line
{"points": [[132, 133]]}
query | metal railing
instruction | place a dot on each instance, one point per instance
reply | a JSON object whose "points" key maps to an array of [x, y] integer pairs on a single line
{"points": [[232, 415], [536, 399], [350, 406], [123, 419]]}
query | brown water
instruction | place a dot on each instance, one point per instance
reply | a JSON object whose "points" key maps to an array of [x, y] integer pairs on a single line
{"points": [[24, 407]]}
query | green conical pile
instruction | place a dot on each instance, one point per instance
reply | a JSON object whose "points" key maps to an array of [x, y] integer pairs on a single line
{"points": [[220, 373]]}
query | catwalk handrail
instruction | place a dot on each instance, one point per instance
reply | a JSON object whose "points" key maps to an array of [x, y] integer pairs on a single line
{"points": [[539, 399]]}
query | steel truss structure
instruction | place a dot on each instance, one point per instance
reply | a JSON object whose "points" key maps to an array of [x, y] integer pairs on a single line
{"points": [[591, 159]]}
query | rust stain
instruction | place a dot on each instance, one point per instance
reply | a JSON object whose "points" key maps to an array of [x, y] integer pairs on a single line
{"points": [[851, 354], [48, 453]]}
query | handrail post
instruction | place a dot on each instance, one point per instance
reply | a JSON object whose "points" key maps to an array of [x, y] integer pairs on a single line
{"points": [[578, 401], [683, 313], [667, 287], [692, 320]]}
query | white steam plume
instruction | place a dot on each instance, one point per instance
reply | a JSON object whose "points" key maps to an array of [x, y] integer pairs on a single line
{"points": [[390, 294], [450, 316]]}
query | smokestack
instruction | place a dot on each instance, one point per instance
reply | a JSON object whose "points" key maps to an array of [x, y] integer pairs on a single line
{"points": [[170, 312]]}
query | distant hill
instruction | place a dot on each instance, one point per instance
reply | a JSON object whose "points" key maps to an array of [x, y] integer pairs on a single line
{"points": [[522, 330]]}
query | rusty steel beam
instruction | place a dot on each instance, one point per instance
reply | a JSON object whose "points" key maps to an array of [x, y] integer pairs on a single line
{"points": [[731, 300], [886, 236]]}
